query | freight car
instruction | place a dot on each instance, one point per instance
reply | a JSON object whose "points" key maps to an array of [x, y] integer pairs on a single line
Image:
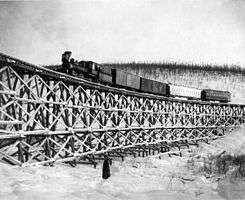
{"points": [[154, 87], [186, 92], [215, 95], [119, 78], [125, 79]]}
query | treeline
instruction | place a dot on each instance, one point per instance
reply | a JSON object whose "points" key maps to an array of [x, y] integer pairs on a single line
{"points": [[179, 67]]}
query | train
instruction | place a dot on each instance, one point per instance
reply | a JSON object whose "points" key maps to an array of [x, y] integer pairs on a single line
{"points": [[118, 78], [122, 79]]}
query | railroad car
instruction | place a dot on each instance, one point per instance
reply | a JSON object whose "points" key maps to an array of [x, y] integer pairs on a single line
{"points": [[125, 79], [119, 77], [186, 92], [155, 87], [133, 81], [215, 95]]}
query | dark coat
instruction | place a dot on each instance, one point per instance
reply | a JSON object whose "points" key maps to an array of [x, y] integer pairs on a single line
{"points": [[106, 169]]}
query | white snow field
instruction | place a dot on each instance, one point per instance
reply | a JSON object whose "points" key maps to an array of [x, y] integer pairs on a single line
{"points": [[133, 179], [136, 178]]}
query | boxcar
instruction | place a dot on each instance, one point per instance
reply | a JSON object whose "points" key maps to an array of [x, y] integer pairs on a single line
{"points": [[122, 78], [119, 77], [216, 95], [155, 87], [182, 91], [133, 81]]}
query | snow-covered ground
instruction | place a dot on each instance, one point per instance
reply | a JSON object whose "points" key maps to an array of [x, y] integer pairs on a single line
{"points": [[133, 179], [140, 178]]}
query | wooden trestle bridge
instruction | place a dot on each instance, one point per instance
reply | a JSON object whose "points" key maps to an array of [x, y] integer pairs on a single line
{"points": [[48, 117]]}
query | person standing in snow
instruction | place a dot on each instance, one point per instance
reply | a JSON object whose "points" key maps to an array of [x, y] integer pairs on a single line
{"points": [[106, 168]]}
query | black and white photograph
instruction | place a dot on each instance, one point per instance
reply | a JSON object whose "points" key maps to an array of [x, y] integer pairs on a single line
{"points": [[122, 99]]}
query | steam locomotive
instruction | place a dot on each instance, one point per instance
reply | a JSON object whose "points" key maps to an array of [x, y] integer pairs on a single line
{"points": [[119, 78]]}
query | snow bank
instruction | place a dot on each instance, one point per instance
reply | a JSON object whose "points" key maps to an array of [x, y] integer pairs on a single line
{"points": [[223, 162]]}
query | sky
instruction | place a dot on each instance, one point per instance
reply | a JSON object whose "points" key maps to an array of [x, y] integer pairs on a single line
{"points": [[192, 31]]}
